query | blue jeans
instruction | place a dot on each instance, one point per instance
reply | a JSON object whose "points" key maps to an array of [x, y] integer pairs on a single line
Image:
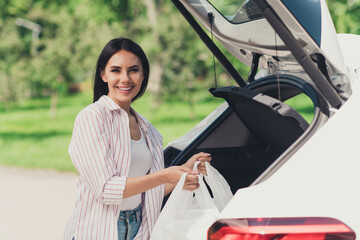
{"points": [[129, 223]]}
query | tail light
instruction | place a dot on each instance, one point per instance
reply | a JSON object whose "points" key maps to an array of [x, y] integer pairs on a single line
{"points": [[313, 228]]}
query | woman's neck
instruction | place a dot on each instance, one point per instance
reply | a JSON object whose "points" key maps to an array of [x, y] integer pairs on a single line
{"points": [[124, 105]]}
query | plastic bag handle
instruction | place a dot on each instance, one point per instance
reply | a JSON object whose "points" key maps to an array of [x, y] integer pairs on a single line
{"points": [[201, 193], [196, 165]]}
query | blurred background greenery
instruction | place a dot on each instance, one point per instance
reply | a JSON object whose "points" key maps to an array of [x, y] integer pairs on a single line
{"points": [[48, 51]]}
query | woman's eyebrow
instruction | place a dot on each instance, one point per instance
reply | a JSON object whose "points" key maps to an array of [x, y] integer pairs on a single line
{"points": [[134, 66], [115, 67]]}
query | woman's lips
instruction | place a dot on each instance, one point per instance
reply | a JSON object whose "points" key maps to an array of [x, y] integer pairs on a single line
{"points": [[125, 89]]}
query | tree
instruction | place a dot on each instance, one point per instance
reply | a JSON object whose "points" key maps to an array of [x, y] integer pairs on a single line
{"points": [[68, 47], [345, 14]]}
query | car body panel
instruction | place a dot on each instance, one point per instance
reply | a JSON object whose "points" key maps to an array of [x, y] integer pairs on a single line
{"points": [[351, 53], [319, 180]]}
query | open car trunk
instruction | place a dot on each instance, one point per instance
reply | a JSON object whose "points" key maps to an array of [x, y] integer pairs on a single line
{"points": [[258, 131], [251, 134]]}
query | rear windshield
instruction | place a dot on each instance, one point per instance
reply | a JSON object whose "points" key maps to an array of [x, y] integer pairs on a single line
{"points": [[237, 11]]}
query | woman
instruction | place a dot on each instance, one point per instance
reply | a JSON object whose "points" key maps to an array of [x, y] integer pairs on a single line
{"points": [[119, 154]]}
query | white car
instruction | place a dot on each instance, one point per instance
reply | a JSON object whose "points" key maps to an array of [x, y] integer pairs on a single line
{"points": [[291, 178]]}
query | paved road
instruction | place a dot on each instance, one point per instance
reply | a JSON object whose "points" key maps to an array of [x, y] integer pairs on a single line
{"points": [[35, 204]]}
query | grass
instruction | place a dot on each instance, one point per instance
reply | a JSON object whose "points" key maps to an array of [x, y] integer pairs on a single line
{"points": [[30, 138]]}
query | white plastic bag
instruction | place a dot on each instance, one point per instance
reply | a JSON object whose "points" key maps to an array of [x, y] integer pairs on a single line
{"points": [[219, 187], [185, 216], [188, 215]]}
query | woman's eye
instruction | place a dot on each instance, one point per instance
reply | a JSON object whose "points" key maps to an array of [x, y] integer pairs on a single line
{"points": [[115, 70], [134, 70]]}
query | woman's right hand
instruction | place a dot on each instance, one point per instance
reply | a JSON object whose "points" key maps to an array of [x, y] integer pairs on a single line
{"points": [[173, 174]]}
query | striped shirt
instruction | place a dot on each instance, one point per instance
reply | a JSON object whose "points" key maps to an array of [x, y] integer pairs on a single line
{"points": [[100, 151]]}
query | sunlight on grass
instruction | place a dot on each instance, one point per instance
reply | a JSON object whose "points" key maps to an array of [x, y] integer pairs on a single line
{"points": [[30, 138]]}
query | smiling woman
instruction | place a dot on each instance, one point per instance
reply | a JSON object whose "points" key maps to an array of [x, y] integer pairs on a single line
{"points": [[113, 61], [119, 154]]}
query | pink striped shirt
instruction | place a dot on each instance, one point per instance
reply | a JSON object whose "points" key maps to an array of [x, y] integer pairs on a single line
{"points": [[100, 151]]}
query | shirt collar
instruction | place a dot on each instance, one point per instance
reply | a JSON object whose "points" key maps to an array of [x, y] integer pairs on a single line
{"points": [[112, 106], [143, 123], [109, 103]]}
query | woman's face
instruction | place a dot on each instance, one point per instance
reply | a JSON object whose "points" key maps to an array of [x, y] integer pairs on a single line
{"points": [[124, 74]]}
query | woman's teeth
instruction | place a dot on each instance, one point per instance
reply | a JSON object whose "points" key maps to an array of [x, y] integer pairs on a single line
{"points": [[125, 89]]}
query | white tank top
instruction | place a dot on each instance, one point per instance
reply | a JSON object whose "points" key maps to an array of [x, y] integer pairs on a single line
{"points": [[139, 166]]}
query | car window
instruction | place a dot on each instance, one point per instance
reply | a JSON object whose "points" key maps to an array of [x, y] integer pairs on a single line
{"points": [[237, 11]]}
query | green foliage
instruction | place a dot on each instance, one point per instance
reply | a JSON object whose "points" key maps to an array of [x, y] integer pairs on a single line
{"points": [[185, 59], [65, 53], [345, 14], [73, 34]]}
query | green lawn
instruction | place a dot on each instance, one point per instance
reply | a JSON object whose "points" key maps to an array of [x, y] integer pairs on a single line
{"points": [[30, 138]]}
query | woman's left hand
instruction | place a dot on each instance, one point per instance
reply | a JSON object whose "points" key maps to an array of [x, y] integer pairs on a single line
{"points": [[203, 157]]}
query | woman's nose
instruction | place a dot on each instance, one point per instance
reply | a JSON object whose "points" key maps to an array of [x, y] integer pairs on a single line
{"points": [[124, 76]]}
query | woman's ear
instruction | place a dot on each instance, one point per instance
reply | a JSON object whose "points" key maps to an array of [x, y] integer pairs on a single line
{"points": [[102, 75]]}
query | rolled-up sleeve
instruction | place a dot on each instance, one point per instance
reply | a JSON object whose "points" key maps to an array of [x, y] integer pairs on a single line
{"points": [[92, 156]]}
